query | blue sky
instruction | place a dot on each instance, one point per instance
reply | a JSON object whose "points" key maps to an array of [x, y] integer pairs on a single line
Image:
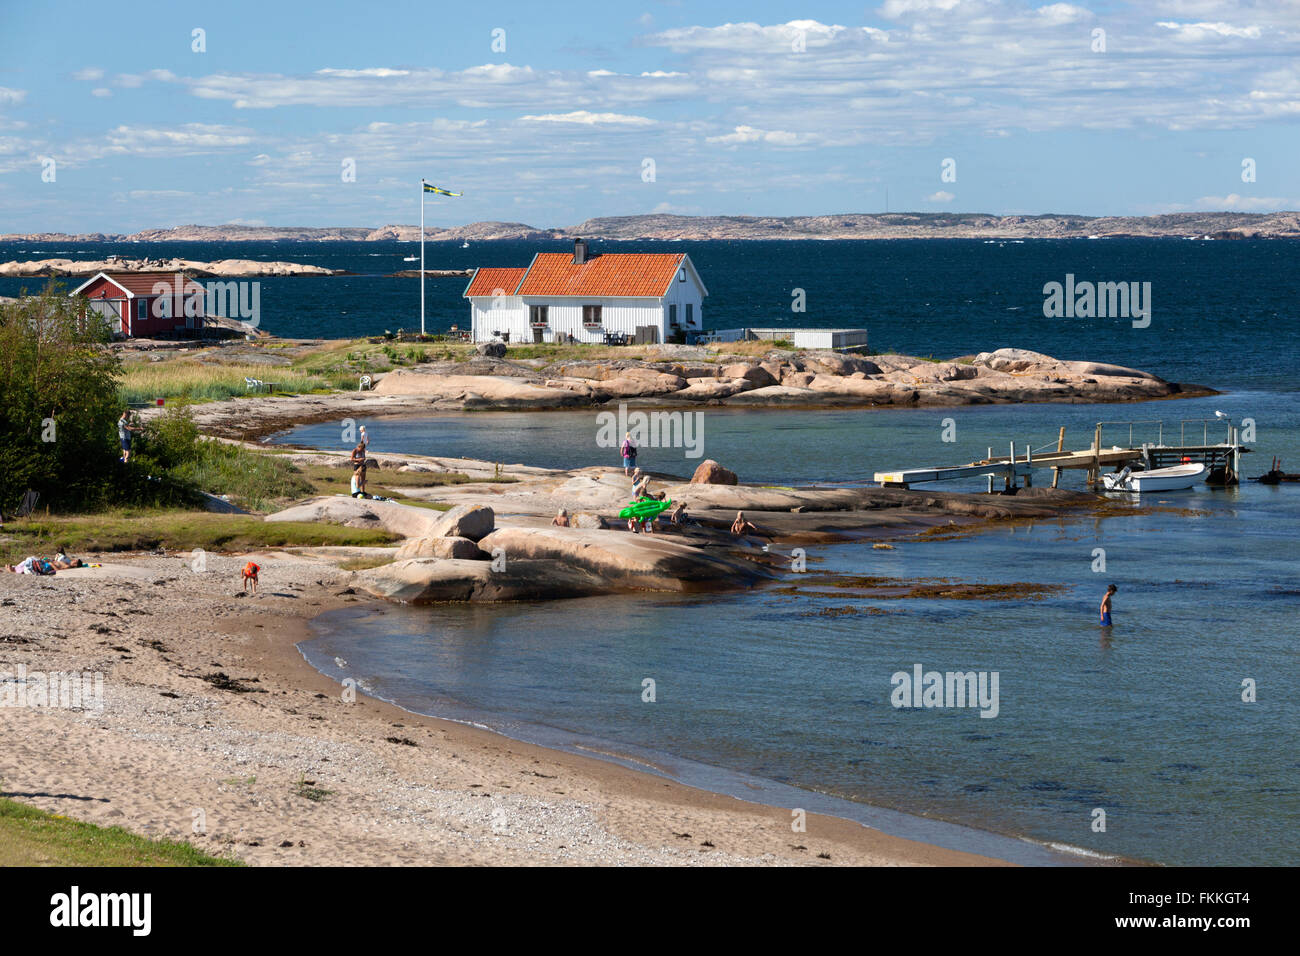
{"points": [[754, 108]]}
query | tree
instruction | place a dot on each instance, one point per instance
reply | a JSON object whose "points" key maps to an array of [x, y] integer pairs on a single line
{"points": [[58, 402]]}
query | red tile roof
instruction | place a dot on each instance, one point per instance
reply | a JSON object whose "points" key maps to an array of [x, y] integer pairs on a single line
{"points": [[616, 273], [142, 283], [487, 281]]}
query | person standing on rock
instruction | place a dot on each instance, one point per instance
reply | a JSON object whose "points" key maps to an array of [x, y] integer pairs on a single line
{"points": [[628, 451], [359, 469]]}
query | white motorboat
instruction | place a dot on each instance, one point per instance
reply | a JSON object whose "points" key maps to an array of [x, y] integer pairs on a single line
{"points": [[1174, 478], [411, 259]]}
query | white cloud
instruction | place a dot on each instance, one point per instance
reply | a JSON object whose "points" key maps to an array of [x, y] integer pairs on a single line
{"points": [[1196, 32], [11, 97], [101, 91], [748, 134], [940, 196], [1236, 203], [586, 118], [89, 73]]}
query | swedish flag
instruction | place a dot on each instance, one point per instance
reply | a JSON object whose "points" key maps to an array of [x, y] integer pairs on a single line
{"points": [[430, 188]]}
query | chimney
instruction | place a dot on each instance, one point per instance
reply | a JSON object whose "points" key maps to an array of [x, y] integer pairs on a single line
{"points": [[579, 251]]}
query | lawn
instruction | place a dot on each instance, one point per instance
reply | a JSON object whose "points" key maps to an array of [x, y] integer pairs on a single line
{"points": [[32, 837]]}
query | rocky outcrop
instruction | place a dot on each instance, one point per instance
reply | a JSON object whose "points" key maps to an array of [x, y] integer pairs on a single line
{"points": [[451, 547], [496, 391], [709, 472], [193, 268], [405, 520], [474, 522], [625, 561], [432, 580]]}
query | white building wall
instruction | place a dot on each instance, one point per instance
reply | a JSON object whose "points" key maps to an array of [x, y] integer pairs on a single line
{"points": [[681, 294], [488, 316], [618, 314]]}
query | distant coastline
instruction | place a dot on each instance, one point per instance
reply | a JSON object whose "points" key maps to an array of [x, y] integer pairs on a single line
{"points": [[903, 225]]}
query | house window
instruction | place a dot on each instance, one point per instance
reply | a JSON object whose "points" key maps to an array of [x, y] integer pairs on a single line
{"points": [[537, 314], [142, 308], [690, 312], [591, 315], [681, 274], [672, 315]]}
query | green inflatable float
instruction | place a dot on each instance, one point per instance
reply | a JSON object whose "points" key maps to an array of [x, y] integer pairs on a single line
{"points": [[645, 508]]}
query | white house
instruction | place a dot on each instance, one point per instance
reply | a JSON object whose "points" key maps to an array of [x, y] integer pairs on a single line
{"points": [[586, 297]]}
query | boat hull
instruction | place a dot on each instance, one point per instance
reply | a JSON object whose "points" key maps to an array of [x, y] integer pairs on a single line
{"points": [[1176, 478]]}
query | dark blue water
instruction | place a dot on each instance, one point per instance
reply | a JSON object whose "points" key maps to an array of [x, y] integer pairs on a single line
{"points": [[1223, 312]]}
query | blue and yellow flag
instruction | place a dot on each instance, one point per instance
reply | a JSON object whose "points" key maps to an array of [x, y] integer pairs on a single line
{"points": [[430, 188]]}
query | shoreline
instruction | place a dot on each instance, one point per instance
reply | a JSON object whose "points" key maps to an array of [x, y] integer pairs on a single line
{"points": [[231, 719], [170, 742], [1007, 848]]}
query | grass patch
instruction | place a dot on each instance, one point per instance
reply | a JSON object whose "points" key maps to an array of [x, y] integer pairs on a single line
{"points": [[365, 564], [32, 837], [127, 530], [202, 382], [307, 788]]}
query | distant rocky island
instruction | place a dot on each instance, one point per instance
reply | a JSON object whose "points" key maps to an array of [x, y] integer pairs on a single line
{"points": [[902, 225]]}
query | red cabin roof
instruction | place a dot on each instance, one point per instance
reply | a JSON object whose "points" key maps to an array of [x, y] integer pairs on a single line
{"points": [[135, 284], [620, 273], [640, 274]]}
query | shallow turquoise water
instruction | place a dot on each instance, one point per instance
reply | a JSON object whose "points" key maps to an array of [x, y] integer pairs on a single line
{"points": [[1147, 724]]}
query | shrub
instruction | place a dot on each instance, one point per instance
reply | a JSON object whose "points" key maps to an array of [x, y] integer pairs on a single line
{"points": [[58, 402]]}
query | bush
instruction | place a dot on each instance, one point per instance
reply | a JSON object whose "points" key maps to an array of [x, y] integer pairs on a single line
{"points": [[58, 402], [173, 449]]}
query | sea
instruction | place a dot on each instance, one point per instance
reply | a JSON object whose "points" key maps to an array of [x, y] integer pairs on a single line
{"points": [[1170, 738]]}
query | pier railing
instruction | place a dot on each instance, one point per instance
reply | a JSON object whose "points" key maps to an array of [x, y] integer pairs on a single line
{"points": [[1160, 430], [1205, 424]]}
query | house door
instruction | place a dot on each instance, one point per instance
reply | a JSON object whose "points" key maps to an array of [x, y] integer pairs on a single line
{"points": [[539, 334]]}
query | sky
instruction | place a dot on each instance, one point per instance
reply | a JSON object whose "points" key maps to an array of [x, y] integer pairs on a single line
{"points": [[115, 118]]}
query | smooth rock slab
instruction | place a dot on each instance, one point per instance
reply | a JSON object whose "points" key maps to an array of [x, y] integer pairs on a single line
{"points": [[464, 521], [626, 561], [432, 580]]}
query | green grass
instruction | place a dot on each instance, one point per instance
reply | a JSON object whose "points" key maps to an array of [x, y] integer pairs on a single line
{"points": [[365, 564], [202, 382], [32, 837], [127, 530], [252, 479]]}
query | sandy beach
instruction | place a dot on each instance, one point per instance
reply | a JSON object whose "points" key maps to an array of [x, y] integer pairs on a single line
{"points": [[281, 771]]}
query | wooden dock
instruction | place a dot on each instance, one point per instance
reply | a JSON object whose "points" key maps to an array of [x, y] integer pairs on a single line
{"points": [[1222, 459]]}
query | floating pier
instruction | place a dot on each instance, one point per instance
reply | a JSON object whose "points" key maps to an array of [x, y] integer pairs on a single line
{"points": [[1222, 459]]}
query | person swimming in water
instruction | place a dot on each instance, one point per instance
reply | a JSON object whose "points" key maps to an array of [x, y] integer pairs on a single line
{"points": [[1105, 606]]}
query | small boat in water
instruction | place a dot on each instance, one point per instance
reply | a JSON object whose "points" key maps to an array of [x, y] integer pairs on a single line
{"points": [[411, 259], [1174, 478]]}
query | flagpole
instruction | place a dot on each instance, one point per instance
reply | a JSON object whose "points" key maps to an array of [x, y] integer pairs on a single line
{"points": [[422, 258]]}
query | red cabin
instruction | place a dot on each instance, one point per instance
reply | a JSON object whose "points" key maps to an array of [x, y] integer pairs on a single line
{"points": [[141, 304]]}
